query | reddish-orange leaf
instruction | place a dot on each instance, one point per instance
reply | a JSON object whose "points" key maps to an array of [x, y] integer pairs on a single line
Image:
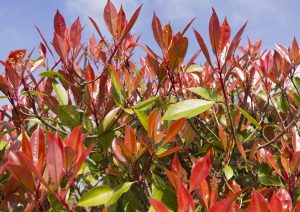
{"points": [[235, 42], [60, 46], [174, 129], [285, 199], [20, 171], [26, 148], [55, 159], [170, 151], [224, 34], [157, 32], [130, 23], [173, 178], [130, 140], [224, 204], [275, 204], [295, 49], [157, 205], [59, 24], [223, 137], [205, 192], [184, 199], [203, 47], [200, 171], [177, 51], [214, 31], [75, 33], [259, 204], [297, 207], [110, 17], [118, 151], [177, 168], [167, 35], [90, 76], [272, 162], [152, 124], [241, 150], [82, 158], [38, 148], [121, 23]]}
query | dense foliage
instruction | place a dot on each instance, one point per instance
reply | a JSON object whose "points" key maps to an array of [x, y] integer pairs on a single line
{"points": [[89, 128]]}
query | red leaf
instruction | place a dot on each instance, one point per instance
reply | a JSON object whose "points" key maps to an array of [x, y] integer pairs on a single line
{"points": [[75, 33], [200, 171], [174, 129], [90, 76], [121, 23], [173, 178], [296, 140], [241, 149], [130, 140], [184, 199], [26, 148], [157, 205], [203, 47], [98, 30], [235, 42], [110, 17], [55, 159], [214, 32], [157, 32], [152, 124], [118, 151], [272, 162], [20, 171], [297, 207], [82, 158], [130, 23], [60, 46], [59, 24], [285, 199], [177, 51], [259, 204], [38, 148], [225, 204], [187, 26], [167, 35], [295, 50], [177, 168], [275, 204], [224, 34], [204, 190]]}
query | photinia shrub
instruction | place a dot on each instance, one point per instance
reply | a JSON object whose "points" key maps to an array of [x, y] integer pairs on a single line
{"points": [[88, 127]]}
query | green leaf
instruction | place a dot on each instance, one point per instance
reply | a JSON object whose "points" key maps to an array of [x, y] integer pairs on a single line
{"points": [[117, 92], [52, 74], [206, 93], [296, 98], [68, 115], [282, 104], [60, 92], [119, 190], [6, 131], [187, 109], [297, 81], [143, 117], [100, 195], [248, 116], [108, 120], [266, 176], [194, 68], [146, 103], [228, 172]]}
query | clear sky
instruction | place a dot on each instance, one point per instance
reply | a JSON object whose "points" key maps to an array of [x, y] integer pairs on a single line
{"points": [[273, 21]]}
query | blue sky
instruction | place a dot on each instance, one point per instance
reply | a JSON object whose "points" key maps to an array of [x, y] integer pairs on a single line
{"points": [[273, 21]]}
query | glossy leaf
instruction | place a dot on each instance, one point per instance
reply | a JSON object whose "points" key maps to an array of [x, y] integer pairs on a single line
{"points": [[157, 205], [174, 129], [206, 93], [259, 204], [118, 191], [249, 117], [200, 171], [100, 195], [187, 109], [185, 200]]}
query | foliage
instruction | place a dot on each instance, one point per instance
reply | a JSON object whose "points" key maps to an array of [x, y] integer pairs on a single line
{"points": [[94, 130]]}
